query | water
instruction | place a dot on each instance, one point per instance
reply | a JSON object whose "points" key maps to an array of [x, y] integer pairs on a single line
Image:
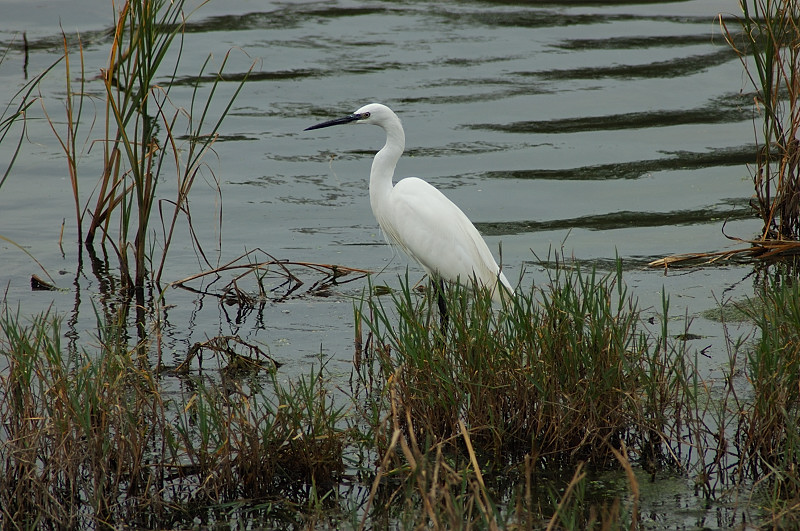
{"points": [[603, 129]]}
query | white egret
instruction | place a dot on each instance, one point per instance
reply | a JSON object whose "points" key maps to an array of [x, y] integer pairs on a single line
{"points": [[419, 219]]}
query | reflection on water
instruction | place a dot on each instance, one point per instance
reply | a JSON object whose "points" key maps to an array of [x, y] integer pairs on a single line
{"points": [[609, 128]]}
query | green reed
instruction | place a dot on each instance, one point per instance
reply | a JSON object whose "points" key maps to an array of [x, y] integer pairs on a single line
{"points": [[146, 133], [768, 435], [769, 48], [569, 376], [14, 114], [13, 122]]}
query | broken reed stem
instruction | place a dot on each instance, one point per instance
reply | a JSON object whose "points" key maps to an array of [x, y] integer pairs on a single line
{"points": [[396, 434], [622, 457], [758, 249]]}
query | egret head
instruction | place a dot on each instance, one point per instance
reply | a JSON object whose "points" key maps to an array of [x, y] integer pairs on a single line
{"points": [[373, 113]]}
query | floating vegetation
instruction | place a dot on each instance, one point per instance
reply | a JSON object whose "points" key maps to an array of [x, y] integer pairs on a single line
{"points": [[251, 361]]}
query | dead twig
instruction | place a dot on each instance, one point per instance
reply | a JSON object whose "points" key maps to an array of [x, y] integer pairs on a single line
{"points": [[758, 249], [224, 344], [289, 282]]}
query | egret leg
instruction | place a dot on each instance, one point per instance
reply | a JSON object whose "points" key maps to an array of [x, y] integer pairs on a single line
{"points": [[444, 318]]}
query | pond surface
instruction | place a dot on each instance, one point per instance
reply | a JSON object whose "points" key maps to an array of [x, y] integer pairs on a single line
{"points": [[600, 129]]}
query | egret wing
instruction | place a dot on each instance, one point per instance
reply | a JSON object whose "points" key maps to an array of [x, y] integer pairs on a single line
{"points": [[434, 231]]}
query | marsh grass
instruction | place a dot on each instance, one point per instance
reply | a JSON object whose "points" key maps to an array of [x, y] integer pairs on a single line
{"points": [[768, 435], [562, 377], [426, 484], [74, 442], [744, 432], [251, 445], [146, 133], [565, 378], [769, 48], [500, 423], [96, 441]]}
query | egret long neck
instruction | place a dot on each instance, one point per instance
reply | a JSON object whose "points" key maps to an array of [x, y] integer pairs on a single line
{"points": [[380, 178]]}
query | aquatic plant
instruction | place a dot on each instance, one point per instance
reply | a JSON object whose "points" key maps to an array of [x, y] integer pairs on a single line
{"points": [[13, 120], [484, 424], [14, 113], [145, 131], [95, 440], [768, 434], [561, 375], [566, 378], [769, 48]]}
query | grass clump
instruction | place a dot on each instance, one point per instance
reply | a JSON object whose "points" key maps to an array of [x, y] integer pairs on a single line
{"points": [[768, 435], [566, 379], [769, 48], [80, 436], [98, 441], [559, 378], [254, 445]]}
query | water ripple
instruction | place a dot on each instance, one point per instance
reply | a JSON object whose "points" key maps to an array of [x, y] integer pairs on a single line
{"points": [[679, 160], [677, 67], [736, 210], [725, 109]]}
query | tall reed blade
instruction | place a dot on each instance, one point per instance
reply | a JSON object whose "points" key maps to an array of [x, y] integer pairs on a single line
{"points": [[769, 48]]}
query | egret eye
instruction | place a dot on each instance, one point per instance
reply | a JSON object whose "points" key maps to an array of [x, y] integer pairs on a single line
{"points": [[364, 115]]}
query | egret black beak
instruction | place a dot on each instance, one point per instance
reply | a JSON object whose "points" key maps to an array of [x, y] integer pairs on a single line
{"points": [[337, 121]]}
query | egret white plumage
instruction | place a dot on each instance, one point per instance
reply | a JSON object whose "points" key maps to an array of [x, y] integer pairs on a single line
{"points": [[420, 219]]}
